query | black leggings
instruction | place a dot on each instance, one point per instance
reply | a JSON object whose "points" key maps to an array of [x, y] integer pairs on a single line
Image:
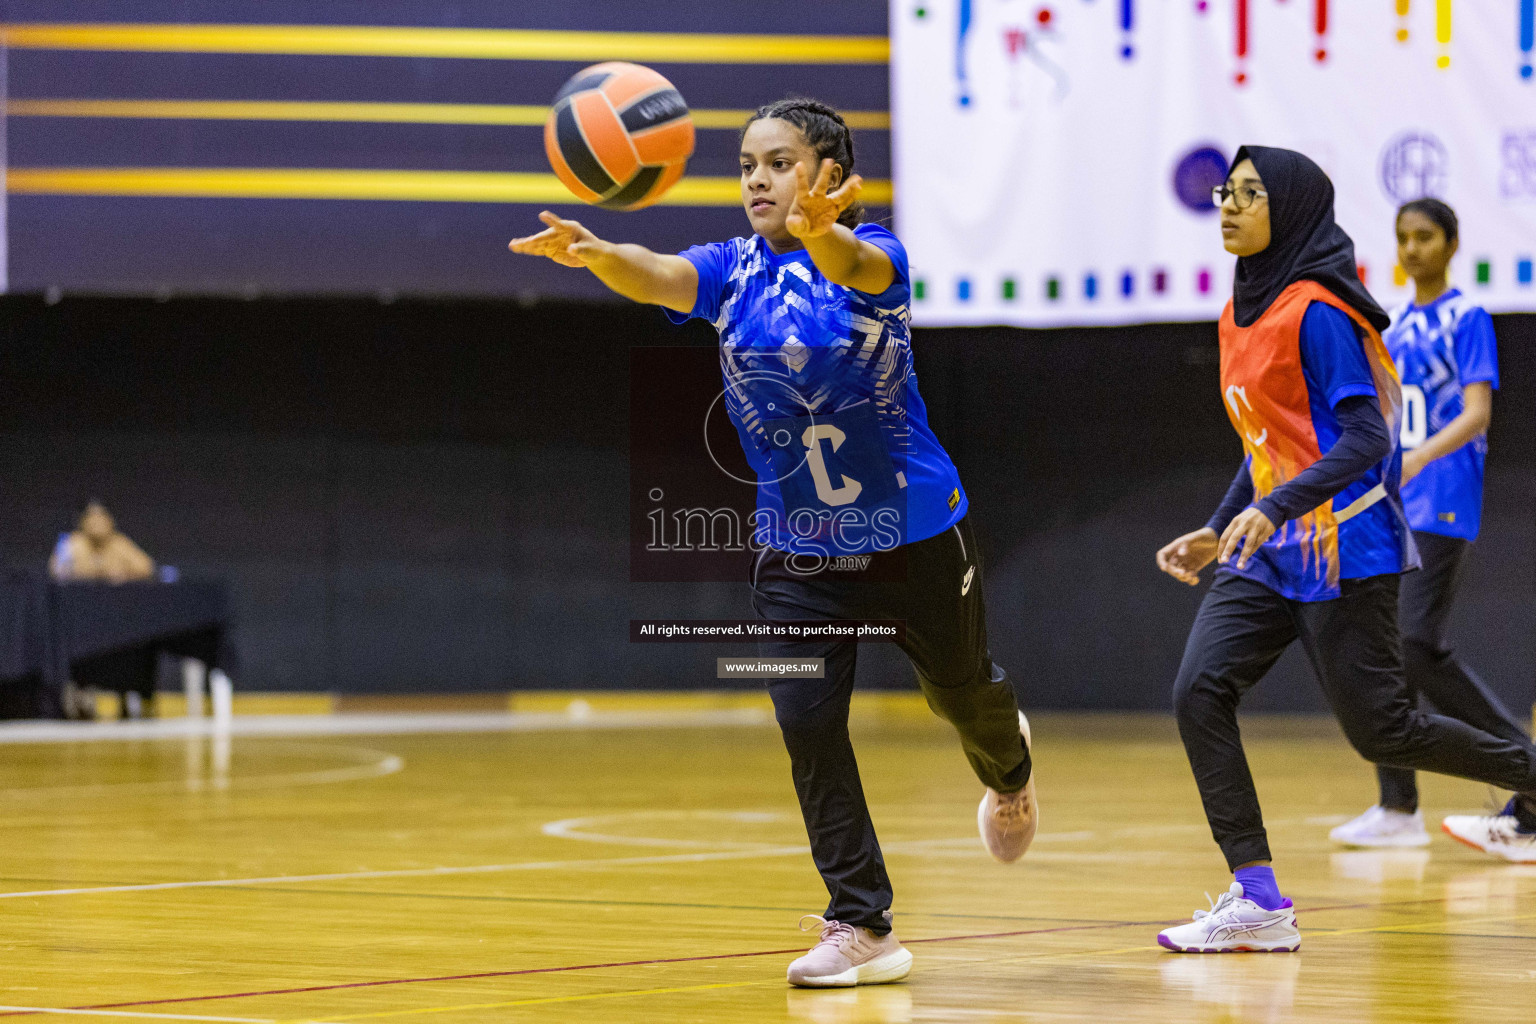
{"points": [[937, 593], [1352, 642], [1434, 672]]}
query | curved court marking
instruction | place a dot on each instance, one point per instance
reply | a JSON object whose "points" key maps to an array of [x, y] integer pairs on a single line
{"points": [[582, 829], [576, 828], [372, 764]]}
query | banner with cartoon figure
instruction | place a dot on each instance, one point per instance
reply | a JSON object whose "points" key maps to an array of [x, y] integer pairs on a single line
{"points": [[1054, 159]]}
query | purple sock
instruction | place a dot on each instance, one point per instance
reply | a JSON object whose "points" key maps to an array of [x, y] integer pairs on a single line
{"points": [[1260, 886]]}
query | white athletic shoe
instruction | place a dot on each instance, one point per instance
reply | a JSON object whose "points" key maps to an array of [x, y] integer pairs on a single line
{"points": [[849, 955], [1498, 834], [1235, 925], [1382, 827], [1008, 821]]}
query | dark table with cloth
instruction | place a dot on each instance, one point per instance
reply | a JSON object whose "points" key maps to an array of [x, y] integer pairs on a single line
{"points": [[103, 635]]}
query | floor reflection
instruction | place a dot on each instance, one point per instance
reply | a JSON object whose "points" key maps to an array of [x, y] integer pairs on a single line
{"points": [[1380, 866], [877, 1004], [1258, 987]]}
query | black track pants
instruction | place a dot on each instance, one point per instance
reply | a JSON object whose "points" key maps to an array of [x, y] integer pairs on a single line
{"points": [[940, 601], [1434, 671], [1352, 642]]}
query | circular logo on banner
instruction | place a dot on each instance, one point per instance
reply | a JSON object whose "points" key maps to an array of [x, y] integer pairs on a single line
{"points": [[1199, 171], [1414, 165]]}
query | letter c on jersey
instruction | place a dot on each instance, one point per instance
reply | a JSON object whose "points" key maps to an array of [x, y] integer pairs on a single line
{"points": [[812, 438], [1233, 394]]}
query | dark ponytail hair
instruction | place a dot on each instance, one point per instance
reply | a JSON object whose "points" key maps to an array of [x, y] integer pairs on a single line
{"points": [[825, 132], [1443, 216]]}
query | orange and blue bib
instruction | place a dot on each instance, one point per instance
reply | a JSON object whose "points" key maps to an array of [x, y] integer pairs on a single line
{"points": [[1280, 380]]}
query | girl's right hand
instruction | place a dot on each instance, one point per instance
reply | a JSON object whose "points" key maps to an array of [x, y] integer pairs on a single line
{"points": [[1185, 557], [815, 210], [564, 241]]}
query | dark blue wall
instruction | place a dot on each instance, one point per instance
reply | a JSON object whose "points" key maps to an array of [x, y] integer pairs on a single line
{"points": [[425, 496]]}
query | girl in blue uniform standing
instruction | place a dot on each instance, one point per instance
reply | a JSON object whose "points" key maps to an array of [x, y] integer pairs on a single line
{"points": [[813, 312], [1444, 348]]}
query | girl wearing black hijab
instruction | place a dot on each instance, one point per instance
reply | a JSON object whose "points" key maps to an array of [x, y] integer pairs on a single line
{"points": [[1311, 540]]}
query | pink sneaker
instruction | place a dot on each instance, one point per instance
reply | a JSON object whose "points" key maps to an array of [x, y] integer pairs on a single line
{"points": [[848, 955], [1008, 820]]}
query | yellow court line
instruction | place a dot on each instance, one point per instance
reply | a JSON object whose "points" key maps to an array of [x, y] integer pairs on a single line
{"points": [[1442, 923], [319, 110], [320, 183], [530, 1002], [476, 43]]}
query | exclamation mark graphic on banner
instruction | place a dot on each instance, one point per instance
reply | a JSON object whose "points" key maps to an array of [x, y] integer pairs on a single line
{"points": [[1127, 24], [1402, 21], [960, 75], [1443, 32], [1527, 36], [1320, 25], [1242, 41]]}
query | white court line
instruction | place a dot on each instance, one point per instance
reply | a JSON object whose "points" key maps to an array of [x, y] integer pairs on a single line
{"points": [[575, 828], [374, 725], [381, 764], [133, 1013], [341, 876], [559, 865]]}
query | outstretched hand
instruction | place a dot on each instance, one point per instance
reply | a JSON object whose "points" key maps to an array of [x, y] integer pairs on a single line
{"points": [[1184, 557], [814, 209], [564, 241]]}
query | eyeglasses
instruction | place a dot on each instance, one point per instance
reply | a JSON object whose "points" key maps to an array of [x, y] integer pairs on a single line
{"points": [[1242, 196]]}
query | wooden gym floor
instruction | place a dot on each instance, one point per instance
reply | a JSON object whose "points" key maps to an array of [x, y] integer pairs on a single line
{"points": [[626, 868]]}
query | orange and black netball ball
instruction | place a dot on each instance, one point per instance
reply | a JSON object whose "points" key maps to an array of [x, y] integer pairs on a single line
{"points": [[618, 135]]}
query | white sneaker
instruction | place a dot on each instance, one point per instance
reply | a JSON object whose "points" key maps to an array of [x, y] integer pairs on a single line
{"points": [[1382, 827], [1498, 834], [1235, 925], [849, 955], [1008, 821]]}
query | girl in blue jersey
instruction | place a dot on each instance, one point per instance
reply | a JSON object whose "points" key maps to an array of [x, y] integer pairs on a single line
{"points": [[1444, 349], [816, 352]]}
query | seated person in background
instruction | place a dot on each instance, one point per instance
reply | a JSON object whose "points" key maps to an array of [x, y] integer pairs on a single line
{"points": [[96, 551]]}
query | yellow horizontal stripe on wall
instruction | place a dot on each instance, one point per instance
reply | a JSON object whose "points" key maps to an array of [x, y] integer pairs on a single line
{"points": [[401, 113], [478, 43], [317, 183]]}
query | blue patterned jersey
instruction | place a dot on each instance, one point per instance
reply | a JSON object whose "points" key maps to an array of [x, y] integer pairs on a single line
{"points": [[1440, 349], [820, 385]]}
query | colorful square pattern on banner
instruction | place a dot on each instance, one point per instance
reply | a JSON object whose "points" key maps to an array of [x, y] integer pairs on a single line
{"points": [[1054, 160]]}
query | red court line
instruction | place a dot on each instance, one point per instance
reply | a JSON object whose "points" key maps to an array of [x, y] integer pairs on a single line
{"points": [[405, 981], [573, 967], [672, 960]]}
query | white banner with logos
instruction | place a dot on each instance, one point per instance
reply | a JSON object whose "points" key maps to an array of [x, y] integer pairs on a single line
{"points": [[1054, 160]]}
